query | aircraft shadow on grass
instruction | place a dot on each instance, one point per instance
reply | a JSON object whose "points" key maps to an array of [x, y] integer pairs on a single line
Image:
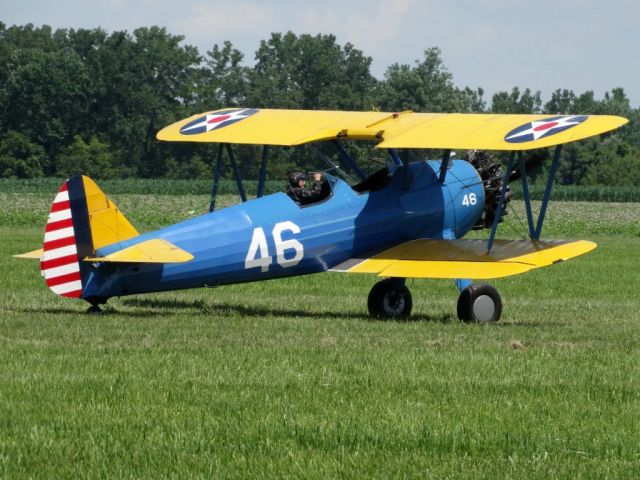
{"points": [[261, 311], [225, 308], [152, 307]]}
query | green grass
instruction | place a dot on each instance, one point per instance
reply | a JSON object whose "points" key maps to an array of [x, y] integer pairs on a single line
{"points": [[291, 379]]}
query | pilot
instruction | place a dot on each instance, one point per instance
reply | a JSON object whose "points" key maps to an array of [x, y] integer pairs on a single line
{"points": [[297, 188]]}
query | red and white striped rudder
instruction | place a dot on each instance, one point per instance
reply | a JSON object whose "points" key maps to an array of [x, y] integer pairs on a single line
{"points": [[60, 265]]}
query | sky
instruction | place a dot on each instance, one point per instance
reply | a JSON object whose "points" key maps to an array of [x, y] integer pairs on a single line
{"points": [[494, 44]]}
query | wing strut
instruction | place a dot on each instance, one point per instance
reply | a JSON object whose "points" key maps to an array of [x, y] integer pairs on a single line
{"points": [[216, 178], [263, 170], [534, 229], [444, 165], [236, 174], [525, 191], [395, 157], [347, 158], [503, 192], [547, 191], [406, 172]]}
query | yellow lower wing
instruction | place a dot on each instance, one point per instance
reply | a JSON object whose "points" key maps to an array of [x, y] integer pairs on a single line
{"points": [[466, 258], [150, 251]]}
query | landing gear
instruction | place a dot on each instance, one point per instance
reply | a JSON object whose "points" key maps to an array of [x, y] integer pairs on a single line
{"points": [[390, 298], [94, 310], [479, 304], [95, 302]]}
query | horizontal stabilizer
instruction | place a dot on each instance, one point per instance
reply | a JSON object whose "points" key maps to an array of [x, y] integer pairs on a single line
{"points": [[466, 258], [150, 251], [32, 255]]}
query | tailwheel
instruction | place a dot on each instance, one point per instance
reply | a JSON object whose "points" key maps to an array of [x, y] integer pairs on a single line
{"points": [[95, 302], [94, 310], [390, 298], [479, 304]]}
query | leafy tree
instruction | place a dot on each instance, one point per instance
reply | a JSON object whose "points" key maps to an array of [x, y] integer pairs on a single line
{"points": [[425, 87], [273, 82], [562, 102], [586, 103], [94, 159], [45, 97], [19, 157], [616, 163], [93, 100], [23, 37], [224, 80], [194, 167], [147, 83], [516, 102], [590, 162], [469, 100], [311, 72]]}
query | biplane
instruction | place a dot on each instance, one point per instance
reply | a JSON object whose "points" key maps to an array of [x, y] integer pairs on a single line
{"points": [[406, 220]]}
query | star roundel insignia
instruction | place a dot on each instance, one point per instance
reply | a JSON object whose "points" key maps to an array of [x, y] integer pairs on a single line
{"points": [[537, 129], [215, 120]]}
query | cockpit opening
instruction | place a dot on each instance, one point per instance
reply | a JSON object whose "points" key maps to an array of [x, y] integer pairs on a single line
{"points": [[375, 181]]}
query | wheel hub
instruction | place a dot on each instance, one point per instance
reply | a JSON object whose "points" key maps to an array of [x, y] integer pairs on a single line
{"points": [[483, 308], [393, 303]]}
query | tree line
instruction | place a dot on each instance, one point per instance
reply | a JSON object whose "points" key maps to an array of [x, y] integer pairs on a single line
{"points": [[90, 101]]}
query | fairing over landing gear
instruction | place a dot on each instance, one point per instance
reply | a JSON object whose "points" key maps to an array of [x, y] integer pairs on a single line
{"points": [[390, 298], [479, 304]]}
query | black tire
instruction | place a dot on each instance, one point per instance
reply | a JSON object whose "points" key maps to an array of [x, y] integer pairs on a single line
{"points": [[479, 304], [390, 299]]}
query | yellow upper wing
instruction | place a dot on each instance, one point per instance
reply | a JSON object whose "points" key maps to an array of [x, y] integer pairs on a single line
{"points": [[392, 130]]}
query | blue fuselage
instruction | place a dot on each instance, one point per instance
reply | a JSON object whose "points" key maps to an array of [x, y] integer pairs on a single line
{"points": [[273, 236]]}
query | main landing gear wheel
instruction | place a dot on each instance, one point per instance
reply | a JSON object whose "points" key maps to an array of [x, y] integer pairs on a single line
{"points": [[390, 298], [479, 304]]}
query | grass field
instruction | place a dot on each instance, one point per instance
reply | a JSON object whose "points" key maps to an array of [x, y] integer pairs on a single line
{"points": [[290, 378]]}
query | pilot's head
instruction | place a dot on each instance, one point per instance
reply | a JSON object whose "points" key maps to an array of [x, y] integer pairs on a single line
{"points": [[297, 179]]}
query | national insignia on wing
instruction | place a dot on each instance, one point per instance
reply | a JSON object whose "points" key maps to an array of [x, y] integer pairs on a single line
{"points": [[216, 120], [538, 129]]}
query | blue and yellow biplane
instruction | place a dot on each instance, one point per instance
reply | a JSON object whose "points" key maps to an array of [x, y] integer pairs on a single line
{"points": [[405, 221]]}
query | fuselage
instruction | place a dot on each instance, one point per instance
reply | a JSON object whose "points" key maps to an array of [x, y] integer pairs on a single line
{"points": [[273, 236]]}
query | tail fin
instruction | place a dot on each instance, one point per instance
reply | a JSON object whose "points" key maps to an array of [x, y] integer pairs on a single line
{"points": [[82, 219]]}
